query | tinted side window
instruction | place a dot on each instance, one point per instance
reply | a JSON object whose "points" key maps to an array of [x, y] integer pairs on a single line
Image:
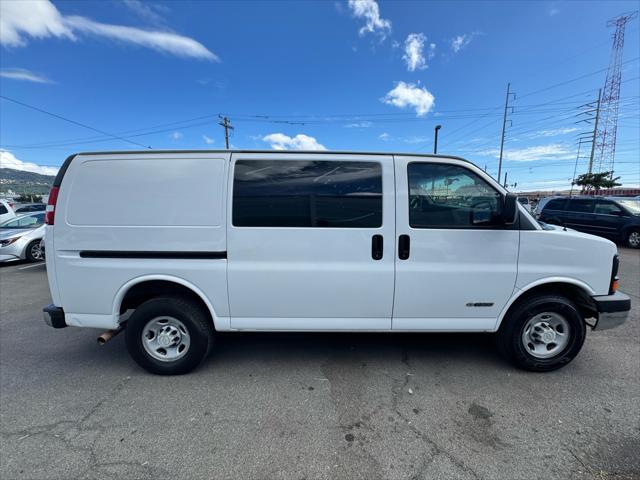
{"points": [[450, 196], [607, 208], [555, 204], [3, 209], [300, 193], [580, 205]]}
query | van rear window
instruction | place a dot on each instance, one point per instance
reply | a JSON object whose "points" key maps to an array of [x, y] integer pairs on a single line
{"points": [[301, 193]]}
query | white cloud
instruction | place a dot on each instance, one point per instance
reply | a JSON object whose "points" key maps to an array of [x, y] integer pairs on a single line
{"points": [[147, 11], [208, 140], [38, 19], [369, 11], [8, 160], [553, 151], [280, 141], [41, 19], [549, 185], [166, 42], [416, 139], [414, 55], [553, 11], [410, 95], [385, 137], [552, 133], [176, 136], [460, 41], [24, 75], [363, 124]]}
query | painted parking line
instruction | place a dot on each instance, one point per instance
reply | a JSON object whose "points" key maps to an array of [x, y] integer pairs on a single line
{"points": [[31, 266]]}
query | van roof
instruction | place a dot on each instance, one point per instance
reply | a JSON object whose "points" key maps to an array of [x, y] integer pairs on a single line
{"points": [[58, 180]]}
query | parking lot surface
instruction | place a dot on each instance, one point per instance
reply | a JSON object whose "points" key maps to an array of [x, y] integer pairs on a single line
{"points": [[312, 406]]}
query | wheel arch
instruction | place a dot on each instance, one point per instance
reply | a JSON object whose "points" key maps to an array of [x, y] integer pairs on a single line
{"points": [[148, 286], [575, 290]]}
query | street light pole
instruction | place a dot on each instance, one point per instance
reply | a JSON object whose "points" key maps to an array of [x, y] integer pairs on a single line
{"points": [[435, 142]]}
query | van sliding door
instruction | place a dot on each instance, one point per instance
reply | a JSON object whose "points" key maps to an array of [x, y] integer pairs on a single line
{"points": [[311, 241]]}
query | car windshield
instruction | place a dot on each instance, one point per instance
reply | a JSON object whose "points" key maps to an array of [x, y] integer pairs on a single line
{"points": [[26, 221], [632, 205]]}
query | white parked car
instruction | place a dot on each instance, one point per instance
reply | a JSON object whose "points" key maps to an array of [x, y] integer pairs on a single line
{"points": [[20, 238], [314, 241], [6, 211]]}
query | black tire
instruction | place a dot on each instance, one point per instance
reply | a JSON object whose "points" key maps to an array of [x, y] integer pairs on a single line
{"points": [[511, 344], [631, 238], [29, 252], [196, 321]]}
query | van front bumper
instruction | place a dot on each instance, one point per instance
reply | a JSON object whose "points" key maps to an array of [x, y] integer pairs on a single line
{"points": [[613, 310], [54, 316]]}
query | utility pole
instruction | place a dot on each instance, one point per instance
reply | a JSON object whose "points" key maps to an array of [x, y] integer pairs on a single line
{"points": [[505, 179], [227, 126], [504, 126], [595, 131], [435, 142]]}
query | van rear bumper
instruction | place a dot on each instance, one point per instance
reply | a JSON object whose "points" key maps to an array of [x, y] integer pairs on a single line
{"points": [[54, 316], [613, 310]]}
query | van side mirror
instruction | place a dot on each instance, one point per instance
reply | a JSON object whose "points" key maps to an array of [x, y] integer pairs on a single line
{"points": [[510, 209]]}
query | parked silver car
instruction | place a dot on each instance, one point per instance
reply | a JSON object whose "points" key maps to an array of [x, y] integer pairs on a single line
{"points": [[20, 238]]}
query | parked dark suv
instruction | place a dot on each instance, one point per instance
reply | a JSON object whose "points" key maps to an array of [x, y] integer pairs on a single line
{"points": [[617, 219]]}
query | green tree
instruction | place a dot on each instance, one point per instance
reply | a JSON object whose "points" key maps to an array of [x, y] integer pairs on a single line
{"points": [[596, 181]]}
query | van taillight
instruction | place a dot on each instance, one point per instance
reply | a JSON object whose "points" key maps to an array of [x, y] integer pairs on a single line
{"points": [[50, 215], [613, 285]]}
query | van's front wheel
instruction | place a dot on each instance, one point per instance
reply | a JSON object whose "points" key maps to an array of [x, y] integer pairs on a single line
{"points": [[542, 333], [169, 335]]}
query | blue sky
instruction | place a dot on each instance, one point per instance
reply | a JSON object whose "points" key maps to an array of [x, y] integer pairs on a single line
{"points": [[345, 75]]}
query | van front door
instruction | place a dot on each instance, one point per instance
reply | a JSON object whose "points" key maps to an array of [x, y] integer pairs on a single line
{"points": [[456, 261], [311, 241]]}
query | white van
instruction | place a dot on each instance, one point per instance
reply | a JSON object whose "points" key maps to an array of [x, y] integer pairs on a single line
{"points": [[314, 241]]}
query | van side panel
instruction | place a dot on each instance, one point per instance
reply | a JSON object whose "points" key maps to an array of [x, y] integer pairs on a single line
{"points": [[583, 258], [160, 206]]}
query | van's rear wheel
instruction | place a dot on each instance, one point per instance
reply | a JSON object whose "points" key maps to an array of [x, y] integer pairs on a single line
{"points": [[169, 335], [543, 333]]}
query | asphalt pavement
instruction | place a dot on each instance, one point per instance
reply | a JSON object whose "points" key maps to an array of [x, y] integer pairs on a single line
{"points": [[312, 406]]}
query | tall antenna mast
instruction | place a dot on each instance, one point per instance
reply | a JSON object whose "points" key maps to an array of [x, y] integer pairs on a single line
{"points": [[610, 102]]}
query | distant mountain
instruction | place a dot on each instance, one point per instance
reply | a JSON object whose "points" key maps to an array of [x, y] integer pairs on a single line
{"points": [[20, 181]]}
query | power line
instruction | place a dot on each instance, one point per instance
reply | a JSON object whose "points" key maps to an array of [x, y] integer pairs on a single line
{"points": [[575, 79], [73, 121]]}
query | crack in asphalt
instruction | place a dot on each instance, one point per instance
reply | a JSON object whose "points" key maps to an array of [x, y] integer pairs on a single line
{"points": [[67, 431], [397, 393]]}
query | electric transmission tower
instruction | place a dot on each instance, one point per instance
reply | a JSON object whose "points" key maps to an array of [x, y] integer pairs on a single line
{"points": [[610, 101]]}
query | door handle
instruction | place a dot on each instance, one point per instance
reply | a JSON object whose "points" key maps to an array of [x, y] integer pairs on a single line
{"points": [[377, 247], [404, 247]]}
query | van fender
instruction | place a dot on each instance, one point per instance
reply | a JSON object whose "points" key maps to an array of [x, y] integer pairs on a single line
{"points": [[518, 292], [219, 323]]}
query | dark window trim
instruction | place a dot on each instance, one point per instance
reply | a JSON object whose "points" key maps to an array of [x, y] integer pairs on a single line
{"points": [[515, 226], [152, 255], [333, 227]]}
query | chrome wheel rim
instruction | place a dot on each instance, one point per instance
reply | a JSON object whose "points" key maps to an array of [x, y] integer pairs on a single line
{"points": [[165, 339], [36, 252], [546, 335], [634, 239]]}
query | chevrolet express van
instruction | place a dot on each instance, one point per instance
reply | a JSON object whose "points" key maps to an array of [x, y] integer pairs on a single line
{"points": [[175, 246]]}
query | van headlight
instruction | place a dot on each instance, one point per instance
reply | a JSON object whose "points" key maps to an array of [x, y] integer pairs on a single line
{"points": [[8, 241]]}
